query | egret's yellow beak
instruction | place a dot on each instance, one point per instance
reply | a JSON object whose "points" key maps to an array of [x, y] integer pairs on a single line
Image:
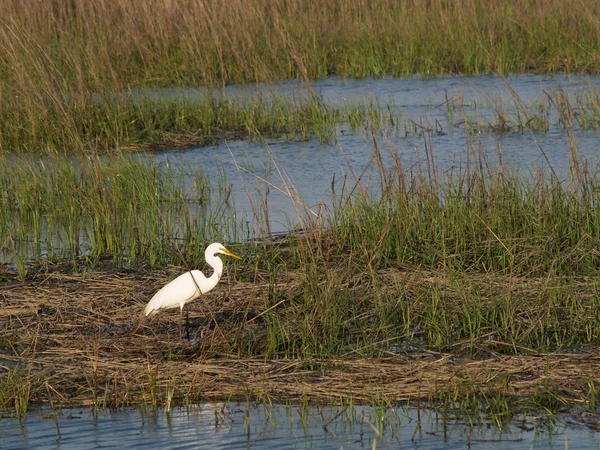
{"points": [[227, 252]]}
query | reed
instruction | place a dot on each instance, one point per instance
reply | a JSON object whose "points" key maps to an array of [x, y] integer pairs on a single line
{"points": [[123, 208], [68, 70], [208, 43], [102, 122], [477, 258]]}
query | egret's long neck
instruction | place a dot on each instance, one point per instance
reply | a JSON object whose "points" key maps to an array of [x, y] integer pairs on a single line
{"points": [[216, 263]]}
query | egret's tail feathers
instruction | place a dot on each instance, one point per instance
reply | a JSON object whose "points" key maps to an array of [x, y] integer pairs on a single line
{"points": [[149, 308]]}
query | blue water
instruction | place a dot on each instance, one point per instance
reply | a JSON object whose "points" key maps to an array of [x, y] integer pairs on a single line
{"points": [[315, 171], [281, 184], [238, 426]]}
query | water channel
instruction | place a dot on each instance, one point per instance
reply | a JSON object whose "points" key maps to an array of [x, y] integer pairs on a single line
{"points": [[239, 426], [314, 169], [269, 186]]}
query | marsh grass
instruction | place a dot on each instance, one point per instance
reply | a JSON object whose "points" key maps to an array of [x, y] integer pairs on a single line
{"points": [[476, 259], [86, 356], [488, 265], [15, 391], [106, 120], [157, 42], [564, 107], [69, 70], [134, 120], [123, 207], [480, 259]]}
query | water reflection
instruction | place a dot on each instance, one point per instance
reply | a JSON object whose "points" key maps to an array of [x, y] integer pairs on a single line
{"points": [[232, 426]]}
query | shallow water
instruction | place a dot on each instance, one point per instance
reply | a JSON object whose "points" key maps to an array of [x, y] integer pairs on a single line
{"points": [[232, 426], [317, 170], [271, 187]]}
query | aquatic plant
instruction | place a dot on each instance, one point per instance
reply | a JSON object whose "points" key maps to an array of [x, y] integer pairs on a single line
{"points": [[72, 73], [124, 208]]}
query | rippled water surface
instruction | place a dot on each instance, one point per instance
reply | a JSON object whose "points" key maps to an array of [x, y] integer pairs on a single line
{"points": [[233, 426], [257, 170], [268, 186]]}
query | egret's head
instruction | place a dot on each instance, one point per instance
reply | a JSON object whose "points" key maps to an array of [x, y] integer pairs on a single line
{"points": [[215, 248]]}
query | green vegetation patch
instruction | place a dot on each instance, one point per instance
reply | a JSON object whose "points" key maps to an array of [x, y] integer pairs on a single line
{"points": [[69, 70]]}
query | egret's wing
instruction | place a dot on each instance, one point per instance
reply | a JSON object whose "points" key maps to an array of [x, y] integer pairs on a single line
{"points": [[176, 293]]}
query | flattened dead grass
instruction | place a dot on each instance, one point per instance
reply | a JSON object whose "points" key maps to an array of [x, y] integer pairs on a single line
{"points": [[70, 337]]}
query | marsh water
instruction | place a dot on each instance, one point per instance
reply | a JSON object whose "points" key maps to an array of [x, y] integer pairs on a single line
{"points": [[441, 126], [238, 426], [433, 133]]}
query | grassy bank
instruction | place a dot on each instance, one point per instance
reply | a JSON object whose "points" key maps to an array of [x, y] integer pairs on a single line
{"points": [[66, 341], [480, 263], [67, 69]]}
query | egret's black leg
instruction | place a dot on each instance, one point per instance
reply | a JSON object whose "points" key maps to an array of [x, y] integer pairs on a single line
{"points": [[180, 320], [187, 324]]}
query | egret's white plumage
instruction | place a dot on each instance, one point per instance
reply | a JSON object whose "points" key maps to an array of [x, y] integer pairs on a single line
{"points": [[190, 285]]}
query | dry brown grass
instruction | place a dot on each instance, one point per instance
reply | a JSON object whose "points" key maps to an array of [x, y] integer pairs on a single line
{"points": [[207, 41], [67, 67], [70, 339]]}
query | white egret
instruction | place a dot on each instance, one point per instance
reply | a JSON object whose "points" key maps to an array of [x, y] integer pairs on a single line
{"points": [[188, 286]]}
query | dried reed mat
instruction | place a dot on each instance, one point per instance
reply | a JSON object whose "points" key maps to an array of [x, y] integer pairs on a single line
{"points": [[70, 338]]}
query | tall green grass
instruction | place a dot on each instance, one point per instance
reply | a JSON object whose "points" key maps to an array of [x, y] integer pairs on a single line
{"points": [[496, 222], [169, 42], [126, 209], [77, 125], [477, 260], [66, 67]]}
